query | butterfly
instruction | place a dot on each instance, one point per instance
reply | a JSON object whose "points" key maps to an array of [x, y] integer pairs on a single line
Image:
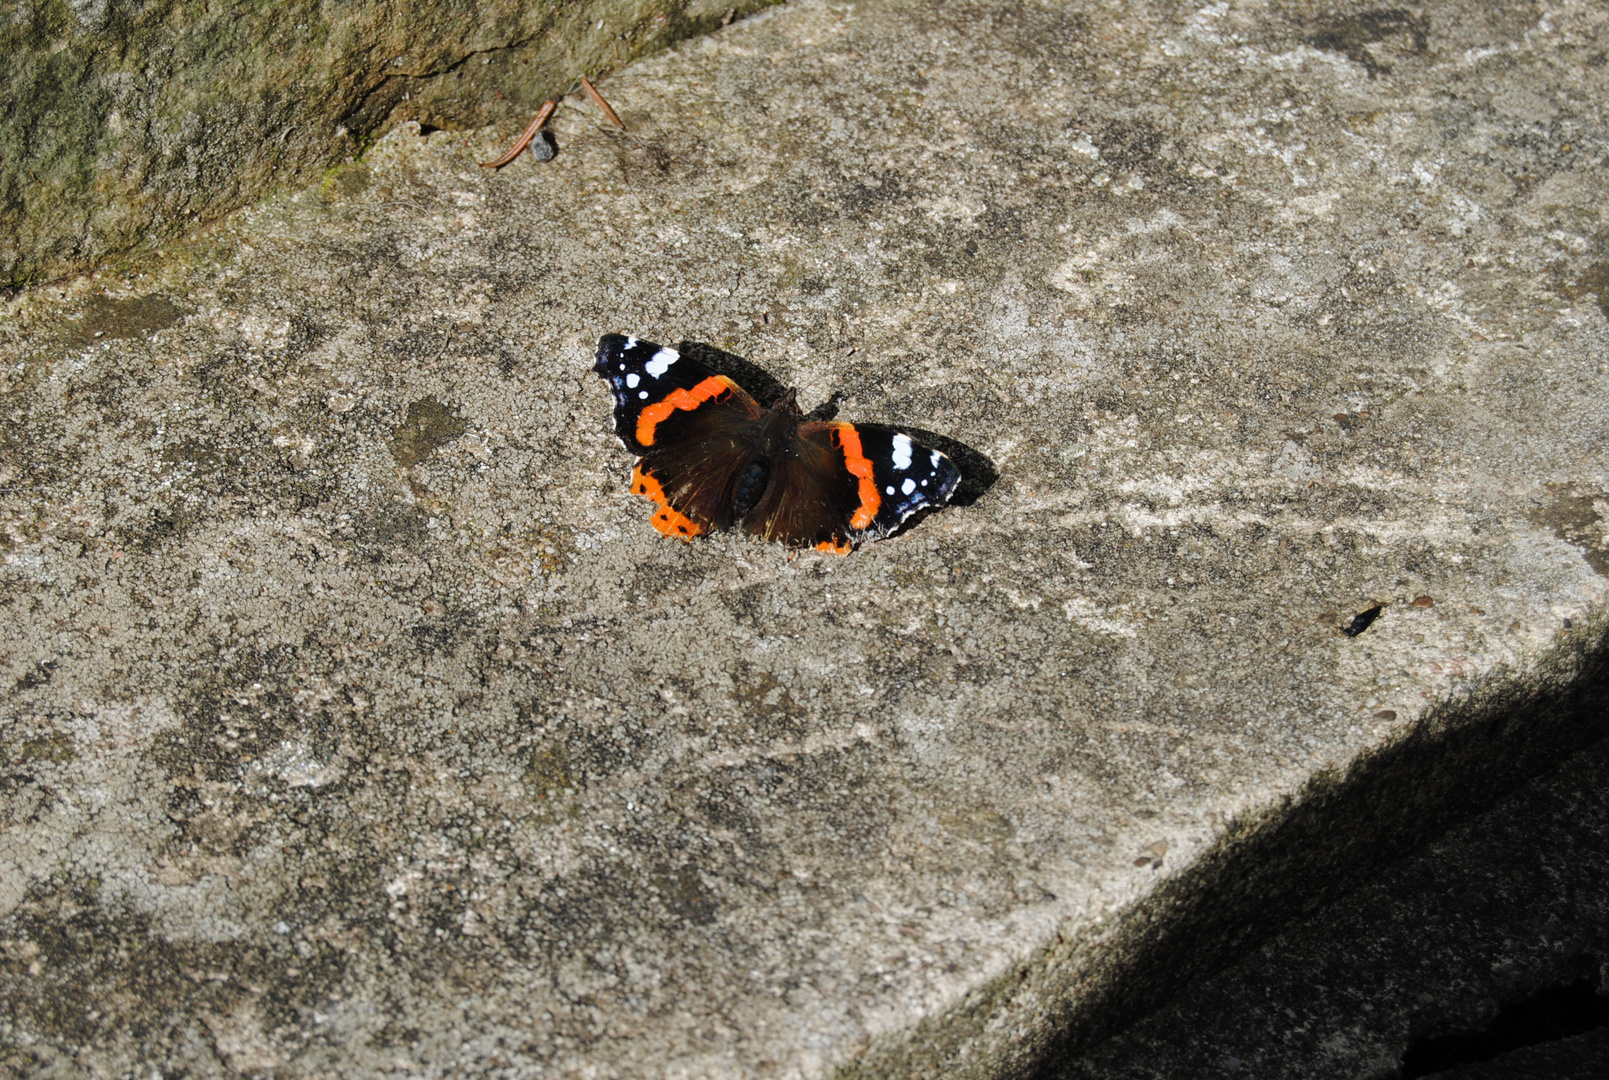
{"points": [[712, 457]]}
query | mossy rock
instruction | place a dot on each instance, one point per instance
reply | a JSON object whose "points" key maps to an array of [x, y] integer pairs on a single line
{"points": [[126, 124]]}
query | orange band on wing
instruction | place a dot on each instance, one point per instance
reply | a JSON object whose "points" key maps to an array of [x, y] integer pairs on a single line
{"points": [[860, 466], [649, 418], [667, 519], [835, 547]]}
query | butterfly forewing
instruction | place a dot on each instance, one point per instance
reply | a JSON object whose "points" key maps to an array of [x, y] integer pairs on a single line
{"points": [[906, 476], [650, 382]]}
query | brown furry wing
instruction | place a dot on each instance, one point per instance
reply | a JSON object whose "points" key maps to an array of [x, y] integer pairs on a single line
{"points": [[695, 453], [813, 495]]}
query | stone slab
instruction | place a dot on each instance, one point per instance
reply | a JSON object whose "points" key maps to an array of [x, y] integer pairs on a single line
{"points": [[358, 721]]}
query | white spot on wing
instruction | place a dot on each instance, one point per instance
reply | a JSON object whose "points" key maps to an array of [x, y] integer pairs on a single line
{"points": [[902, 452], [643, 394], [935, 459], [633, 379], [889, 490], [909, 485], [631, 342], [661, 362]]}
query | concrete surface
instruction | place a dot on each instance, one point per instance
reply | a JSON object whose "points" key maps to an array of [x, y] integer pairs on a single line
{"points": [[359, 722], [1501, 908], [125, 124]]}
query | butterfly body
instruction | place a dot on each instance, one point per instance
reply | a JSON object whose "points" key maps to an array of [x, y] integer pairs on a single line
{"points": [[712, 457]]}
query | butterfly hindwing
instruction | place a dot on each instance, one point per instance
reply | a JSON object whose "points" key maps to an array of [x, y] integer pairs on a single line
{"points": [[694, 459], [813, 495]]}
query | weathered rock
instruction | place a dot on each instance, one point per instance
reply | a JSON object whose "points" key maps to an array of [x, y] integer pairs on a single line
{"points": [[360, 720], [1501, 909], [123, 123]]}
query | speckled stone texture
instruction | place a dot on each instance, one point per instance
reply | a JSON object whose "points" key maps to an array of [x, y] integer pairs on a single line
{"points": [[358, 722]]}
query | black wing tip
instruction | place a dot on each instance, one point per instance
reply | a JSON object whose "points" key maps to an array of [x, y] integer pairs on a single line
{"points": [[948, 472], [609, 346], [951, 480], [929, 504]]}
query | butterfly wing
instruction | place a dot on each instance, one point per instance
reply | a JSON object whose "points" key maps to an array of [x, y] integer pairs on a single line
{"points": [[849, 483], [906, 476], [692, 430], [811, 494], [650, 383]]}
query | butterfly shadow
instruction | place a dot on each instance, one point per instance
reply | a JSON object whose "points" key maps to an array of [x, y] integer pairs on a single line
{"points": [[760, 384], [978, 473]]}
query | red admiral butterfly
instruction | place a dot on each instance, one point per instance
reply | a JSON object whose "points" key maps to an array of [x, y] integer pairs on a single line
{"points": [[713, 458]]}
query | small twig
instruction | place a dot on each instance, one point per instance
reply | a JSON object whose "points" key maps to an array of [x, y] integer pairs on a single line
{"points": [[659, 157], [530, 134], [597, 99]]}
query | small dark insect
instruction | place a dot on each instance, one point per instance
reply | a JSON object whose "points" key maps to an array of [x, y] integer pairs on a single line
{"points": [[1362, 621]]}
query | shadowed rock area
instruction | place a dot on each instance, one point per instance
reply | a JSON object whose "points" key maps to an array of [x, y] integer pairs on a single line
{"points": [[359, 721], [1492, 934], [125, 123]]}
